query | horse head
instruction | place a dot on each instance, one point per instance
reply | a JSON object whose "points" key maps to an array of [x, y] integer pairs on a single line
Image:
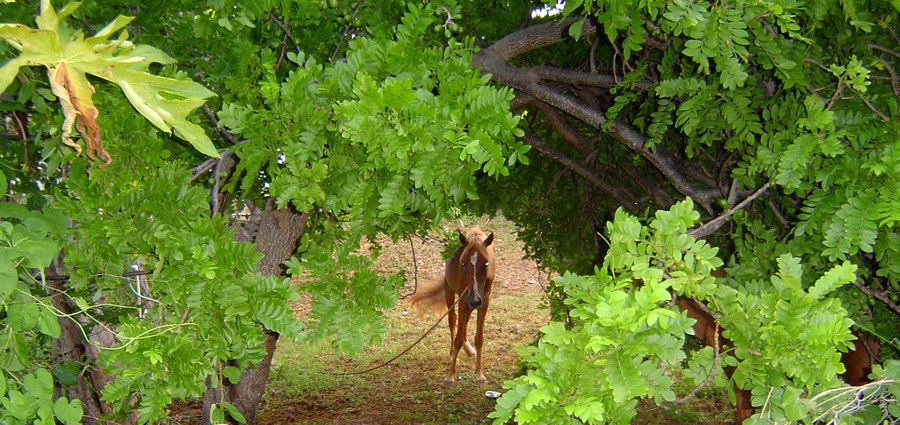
{"points": [[476, 264]]}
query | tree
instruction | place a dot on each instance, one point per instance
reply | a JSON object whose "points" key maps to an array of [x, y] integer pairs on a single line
{"points": [[339, 120], [321, 152], [791, 104]]}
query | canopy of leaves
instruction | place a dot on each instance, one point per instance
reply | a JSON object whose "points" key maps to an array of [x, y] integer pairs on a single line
{"points": [[372, 118]]}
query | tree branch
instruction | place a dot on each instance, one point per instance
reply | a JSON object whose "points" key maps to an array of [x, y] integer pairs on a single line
{"points": [[881, 296], [494, 58], [562, 75], [215, 122], [716, 223], [581, 170]]}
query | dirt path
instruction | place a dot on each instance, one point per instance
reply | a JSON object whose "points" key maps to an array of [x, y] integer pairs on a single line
{"points": [[409, 391]]}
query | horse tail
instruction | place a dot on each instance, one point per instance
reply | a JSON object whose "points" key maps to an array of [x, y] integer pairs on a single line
{"points": [[429, 297]]}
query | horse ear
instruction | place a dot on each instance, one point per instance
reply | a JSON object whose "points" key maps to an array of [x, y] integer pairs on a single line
{"points": [[490, 238], [462, 238]]}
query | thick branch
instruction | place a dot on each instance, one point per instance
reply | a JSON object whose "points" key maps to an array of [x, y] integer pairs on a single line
{"points": [[583, 171], [558, 121], [562, 75], [493, 60]]}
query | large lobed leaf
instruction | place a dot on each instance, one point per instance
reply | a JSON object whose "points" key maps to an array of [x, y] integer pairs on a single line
{"points": [[69, 57]]}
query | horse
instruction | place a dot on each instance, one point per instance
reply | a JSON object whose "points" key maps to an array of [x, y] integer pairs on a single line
{"points": [[857, 362], [468, 273]]}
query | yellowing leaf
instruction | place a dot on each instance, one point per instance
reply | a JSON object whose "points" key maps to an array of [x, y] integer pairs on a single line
{"points": [[69, 58]]}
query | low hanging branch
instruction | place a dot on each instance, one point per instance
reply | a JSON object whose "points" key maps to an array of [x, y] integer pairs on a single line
{"points": [[583, 171], [495, 59]]}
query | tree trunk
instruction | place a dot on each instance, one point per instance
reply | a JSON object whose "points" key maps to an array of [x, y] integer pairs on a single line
{"points": [[277, 238], [70, 346]]}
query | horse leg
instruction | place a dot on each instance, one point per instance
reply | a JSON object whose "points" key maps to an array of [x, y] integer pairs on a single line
{"points": [[450, 298], [479, 341], [464, 314]]}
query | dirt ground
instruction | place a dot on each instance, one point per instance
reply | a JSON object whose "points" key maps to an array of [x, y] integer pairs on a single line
{"points": [[410, 390], [305, 386]]}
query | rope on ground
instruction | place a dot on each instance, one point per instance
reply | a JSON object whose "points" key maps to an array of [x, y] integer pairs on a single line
{"points": [[392, 359]]}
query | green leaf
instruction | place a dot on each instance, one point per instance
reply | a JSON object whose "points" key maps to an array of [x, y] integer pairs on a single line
{"points": [[66, 373], [623, 377], [232, 373], [832, 279], [68, 412], [8, 279], [69, 57], [234, 413], [575, 29], [48, 323], [38, 384], [216, 414], [23, 316]]}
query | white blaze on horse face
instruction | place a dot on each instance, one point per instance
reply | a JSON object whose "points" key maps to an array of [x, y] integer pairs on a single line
{"points": [[475, 284]]}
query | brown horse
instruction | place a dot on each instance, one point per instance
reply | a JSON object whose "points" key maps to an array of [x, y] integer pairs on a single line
{"points": [[470, 273], [857, 362]]}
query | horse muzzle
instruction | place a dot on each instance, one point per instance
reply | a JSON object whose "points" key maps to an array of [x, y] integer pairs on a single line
{"points": [[473, 302]]}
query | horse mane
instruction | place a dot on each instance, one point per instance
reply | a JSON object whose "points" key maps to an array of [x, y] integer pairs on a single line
{"points": [[476, 238]]}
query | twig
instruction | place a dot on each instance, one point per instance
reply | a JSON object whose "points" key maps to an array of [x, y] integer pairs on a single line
{"points": [[837, 93], [415, 268], [878, 295], [345, 32], [781, 219], [204, 166], [282, 53], [709, 377], [215, 121], [732, 192], [861, 396], [285, 28], [64, 277], [717, 222], [287, 36], [874, 46], [895, 82], [816, 63], [884, 118]]}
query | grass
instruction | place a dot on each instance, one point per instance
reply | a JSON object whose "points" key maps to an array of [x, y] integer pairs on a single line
{"points": [[305, 385]]}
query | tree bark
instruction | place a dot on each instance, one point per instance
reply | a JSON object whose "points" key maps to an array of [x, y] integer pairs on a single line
{"points": [[70, 346], [277, 238]]}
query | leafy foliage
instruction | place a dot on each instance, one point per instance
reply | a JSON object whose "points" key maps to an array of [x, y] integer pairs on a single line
{"points": [[386, 142], [786, 335], [381, 141], [29, 241], [68, 56]]}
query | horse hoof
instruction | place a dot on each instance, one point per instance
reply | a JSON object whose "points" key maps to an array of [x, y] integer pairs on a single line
{"points": [[448, 383], [481, 381]]}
